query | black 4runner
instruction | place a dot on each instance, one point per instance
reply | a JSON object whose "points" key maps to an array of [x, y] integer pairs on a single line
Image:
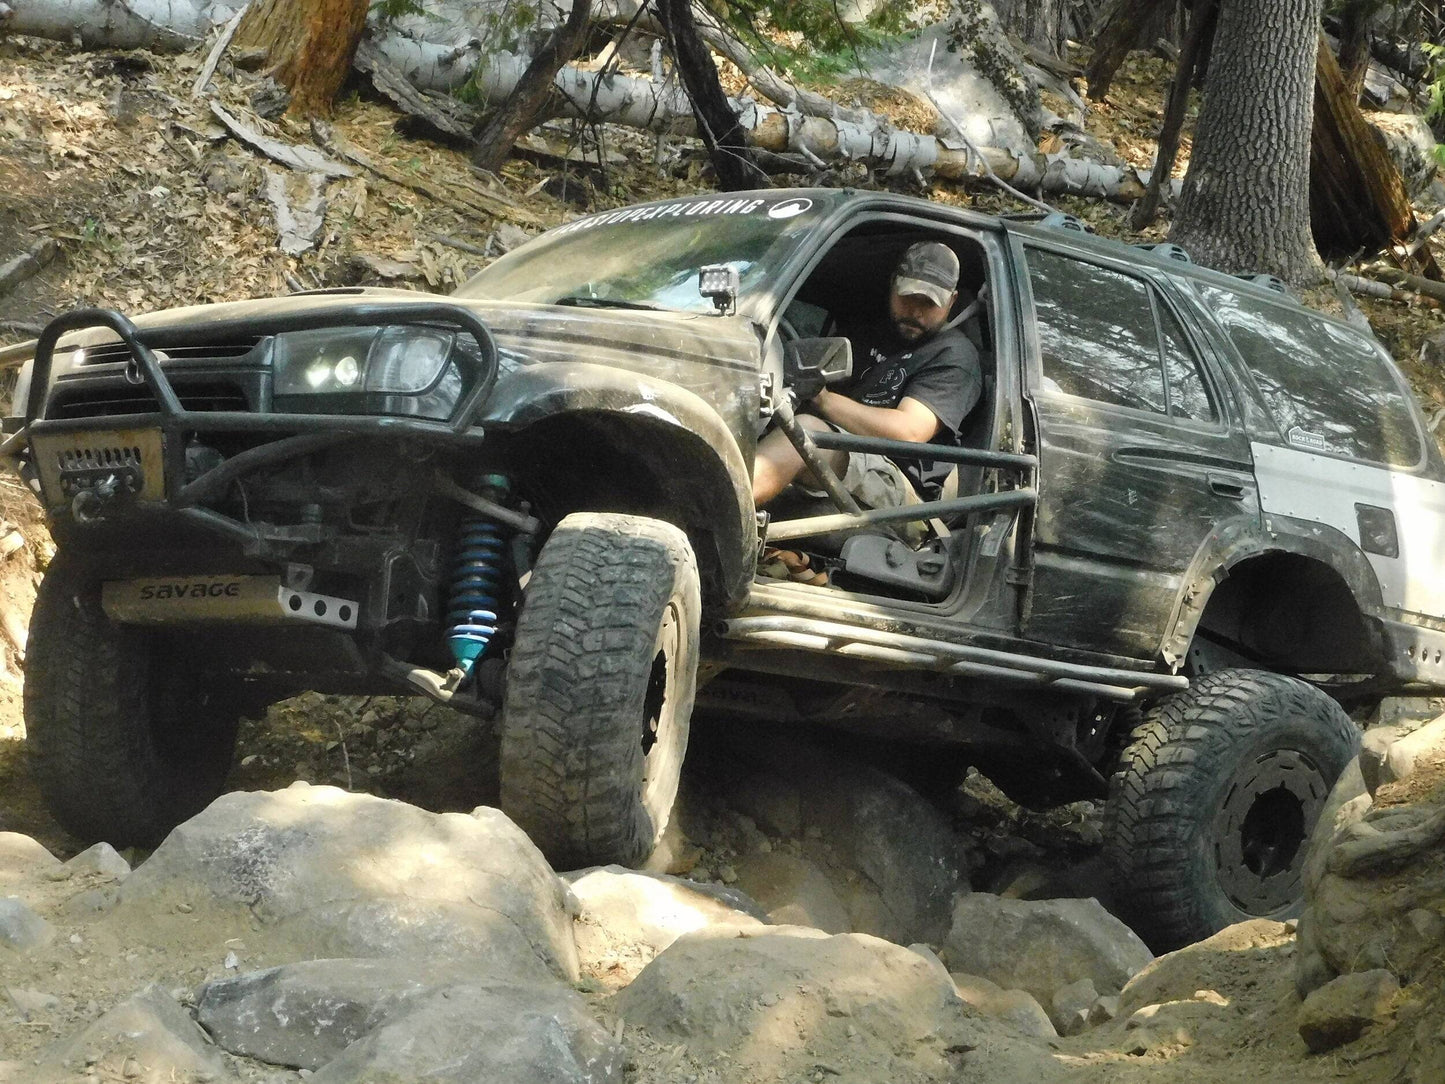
{"points": [[1193, 523]]}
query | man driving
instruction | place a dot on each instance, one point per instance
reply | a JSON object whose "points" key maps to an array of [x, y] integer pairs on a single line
{"points": [[917, 382]]}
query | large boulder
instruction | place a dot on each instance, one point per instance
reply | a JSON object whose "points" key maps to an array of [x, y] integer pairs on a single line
{"points": [[1042, 945], [148, 1037], [795, 891], [627, 918], [484, 1032], [327, 873], [21, 929], [380, 1021], [1340, 1010], [892, 859], [773, 1001], [22, 858], [1411, 143]]}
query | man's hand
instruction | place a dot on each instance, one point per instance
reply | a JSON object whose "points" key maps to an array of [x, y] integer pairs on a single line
{"points": [[910, 420]]}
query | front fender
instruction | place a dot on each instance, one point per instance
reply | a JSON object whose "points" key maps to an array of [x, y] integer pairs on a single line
{"points": [[700, 462]]}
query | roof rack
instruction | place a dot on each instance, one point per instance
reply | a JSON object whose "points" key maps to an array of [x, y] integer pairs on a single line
{"points": [[1166, 251], [1269, 282]]}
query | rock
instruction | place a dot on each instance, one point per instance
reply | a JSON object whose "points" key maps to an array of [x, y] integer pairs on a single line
{"points": [[102, 859], [1103, 1009], [21, 858], [1071, 1005], [510, 236], [794, 891], [532, 1034], [1348, 802], [764, 1000], [1018, 1009], [1340, 1011], [21, 929], [1237, 954], [873, 823], [1403, 755], [1177, 1023], [327, 873], [931, 959], [1411, 144], [1042, 945], [304, 1015], [628, 915], [27, 1002], [771, 801], [150, 1030], [1373, 747]]}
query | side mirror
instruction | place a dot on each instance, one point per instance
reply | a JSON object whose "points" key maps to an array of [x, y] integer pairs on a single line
{"points": [[809, 365]]}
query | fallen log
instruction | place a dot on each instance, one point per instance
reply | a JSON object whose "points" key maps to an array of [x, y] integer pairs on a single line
{"points": [[303, 159], [1357, 197], [1384, 291], [27, 265]]}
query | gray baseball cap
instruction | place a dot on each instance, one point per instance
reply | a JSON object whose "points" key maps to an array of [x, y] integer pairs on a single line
{"points": [[928, 269]]}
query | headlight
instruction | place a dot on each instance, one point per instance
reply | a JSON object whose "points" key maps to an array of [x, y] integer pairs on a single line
{"points": [[394, 360]]}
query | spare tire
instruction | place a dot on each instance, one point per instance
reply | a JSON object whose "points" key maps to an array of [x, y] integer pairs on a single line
{"points": [[600, 688], [1214, 799]]}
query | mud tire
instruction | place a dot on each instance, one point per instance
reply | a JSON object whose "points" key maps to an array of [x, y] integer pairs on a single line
{"points": [[1214, 800], [600, 688], [117, 735]]}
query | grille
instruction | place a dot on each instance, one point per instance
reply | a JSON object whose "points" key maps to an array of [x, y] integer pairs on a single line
{"points": [[111, 401], [117, 352]]}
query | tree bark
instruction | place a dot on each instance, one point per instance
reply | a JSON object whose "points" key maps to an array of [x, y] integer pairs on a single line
{"points": [[523, 109], [1119, 29], [1246, 197], [717, 123], [1357, 197], [1201, 28], [1039, 23], [310, 44], [1355, 42]]}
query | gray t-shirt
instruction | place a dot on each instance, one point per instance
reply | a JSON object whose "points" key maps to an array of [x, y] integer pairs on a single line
{"points": [[941, 372]]}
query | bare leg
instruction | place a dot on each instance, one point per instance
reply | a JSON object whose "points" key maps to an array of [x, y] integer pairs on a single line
{"points": [[778, 462]]}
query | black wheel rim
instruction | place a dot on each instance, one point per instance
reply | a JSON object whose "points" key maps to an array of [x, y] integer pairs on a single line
{"points": [[1260, 831]]}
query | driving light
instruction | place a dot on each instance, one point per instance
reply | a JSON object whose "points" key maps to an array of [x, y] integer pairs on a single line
{"points": [[400, 360]]}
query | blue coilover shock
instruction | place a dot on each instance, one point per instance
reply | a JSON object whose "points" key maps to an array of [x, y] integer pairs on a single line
{"points": [[478, 583]]}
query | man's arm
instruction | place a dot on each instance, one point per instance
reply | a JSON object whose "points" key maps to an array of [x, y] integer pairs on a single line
{"points": [[910, 420]]}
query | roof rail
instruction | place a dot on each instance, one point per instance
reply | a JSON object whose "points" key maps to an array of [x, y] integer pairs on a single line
{"points": [[1167, 251], [1056, 219], [1269, 282]]}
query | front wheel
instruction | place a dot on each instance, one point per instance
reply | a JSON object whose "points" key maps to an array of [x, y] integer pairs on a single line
{"points": [[600, 688], [117, 728], [1214, 799]]}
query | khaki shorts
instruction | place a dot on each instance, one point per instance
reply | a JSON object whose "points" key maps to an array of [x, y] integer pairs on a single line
{"points": [[875, 481]]}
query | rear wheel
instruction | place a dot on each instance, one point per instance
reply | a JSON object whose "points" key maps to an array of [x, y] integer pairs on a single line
{"points": [[600, 689], [1214, 800], [124, 738]]}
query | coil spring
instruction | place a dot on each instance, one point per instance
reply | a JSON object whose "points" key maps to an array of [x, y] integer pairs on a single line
{"points": [[476, 589]]}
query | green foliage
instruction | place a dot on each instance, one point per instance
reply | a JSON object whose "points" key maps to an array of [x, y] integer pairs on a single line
{"points": [[502, 29], [388, 11], [829, 48], [1435, 84]]}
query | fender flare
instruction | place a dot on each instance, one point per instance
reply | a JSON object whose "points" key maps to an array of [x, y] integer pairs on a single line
{"points": [[1231, 547], [529, 394]]}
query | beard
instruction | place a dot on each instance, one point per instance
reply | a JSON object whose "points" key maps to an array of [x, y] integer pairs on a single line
{"points": [[909, 331]]}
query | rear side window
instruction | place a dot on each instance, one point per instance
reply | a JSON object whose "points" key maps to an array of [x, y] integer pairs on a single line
{"points": [[1326, 385], [1103, 336]]}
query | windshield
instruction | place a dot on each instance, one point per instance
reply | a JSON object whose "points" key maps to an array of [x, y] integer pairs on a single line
{"points": [[649, 256]]}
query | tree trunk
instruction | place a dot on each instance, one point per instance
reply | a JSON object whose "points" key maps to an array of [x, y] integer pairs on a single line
{"points": [[1039, 23], [522, 109], [1119, 30], [716, 122], [310, 44], [1357, 197], [1355, 43], [1246, 197], [1201, 28]]}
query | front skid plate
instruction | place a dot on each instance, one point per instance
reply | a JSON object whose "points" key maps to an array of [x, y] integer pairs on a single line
{"points": [[169, 600]]}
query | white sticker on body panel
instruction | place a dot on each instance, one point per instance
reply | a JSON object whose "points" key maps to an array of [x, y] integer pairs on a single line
{"points": [[1306, 486]]}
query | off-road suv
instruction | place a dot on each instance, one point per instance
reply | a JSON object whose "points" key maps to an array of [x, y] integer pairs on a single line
{"points": [[1193, 522]]}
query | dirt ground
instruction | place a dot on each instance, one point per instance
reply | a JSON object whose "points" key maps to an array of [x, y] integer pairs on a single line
{"points": [[110, 155]]}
